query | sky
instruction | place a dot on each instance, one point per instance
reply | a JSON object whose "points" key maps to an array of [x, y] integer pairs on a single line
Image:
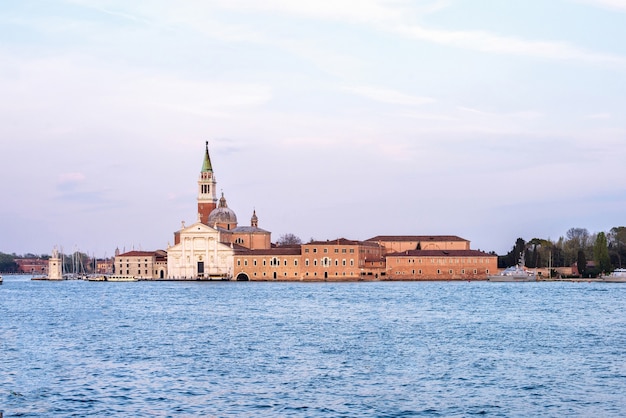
{"points": [[490, 120]]}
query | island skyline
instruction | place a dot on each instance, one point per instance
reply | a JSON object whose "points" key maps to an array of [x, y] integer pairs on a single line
{"points": [[340, 120]]}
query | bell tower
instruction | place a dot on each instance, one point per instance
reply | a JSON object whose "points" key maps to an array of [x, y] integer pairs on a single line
{"points": [[207, 193]]}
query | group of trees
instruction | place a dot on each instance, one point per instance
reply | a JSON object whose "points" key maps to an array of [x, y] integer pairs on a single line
{"points": [[606, 250], [76, 262]]}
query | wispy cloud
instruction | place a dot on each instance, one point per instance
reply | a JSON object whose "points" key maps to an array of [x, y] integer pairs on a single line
{"points": [[601, 116], [608, 4], [388, 96], [71, 178], [484, 41]]}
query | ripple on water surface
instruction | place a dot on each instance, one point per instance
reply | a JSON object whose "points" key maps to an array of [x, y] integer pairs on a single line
{"points": [[312, 349]]}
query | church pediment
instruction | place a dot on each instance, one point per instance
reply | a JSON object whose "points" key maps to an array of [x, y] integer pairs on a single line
{"points": [[199, 228]]}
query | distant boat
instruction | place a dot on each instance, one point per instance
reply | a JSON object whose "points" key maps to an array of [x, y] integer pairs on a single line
{"points": [[0, 279], [618, 276], [95, 278], [514, 274], [120, 278]]}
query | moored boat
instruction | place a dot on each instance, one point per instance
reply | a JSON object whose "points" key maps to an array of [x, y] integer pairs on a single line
{"points": [[617, 276], [120, 278], [514, 274]]}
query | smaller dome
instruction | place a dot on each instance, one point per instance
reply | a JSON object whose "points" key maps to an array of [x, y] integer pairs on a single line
{"points": [[222, 214]]}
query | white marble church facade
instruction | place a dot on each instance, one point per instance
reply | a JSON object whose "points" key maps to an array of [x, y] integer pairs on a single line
{"points": [[199, 254]]}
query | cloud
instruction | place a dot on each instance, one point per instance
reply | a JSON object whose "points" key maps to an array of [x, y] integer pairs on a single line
{"points": [[601, 116], [71, 178], [619, 5], [389, 96], [484, 41]]}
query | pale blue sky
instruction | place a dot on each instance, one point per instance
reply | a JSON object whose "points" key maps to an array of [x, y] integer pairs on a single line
{"points": [[490, 120]]}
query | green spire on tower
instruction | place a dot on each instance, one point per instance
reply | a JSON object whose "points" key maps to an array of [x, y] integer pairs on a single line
{"points": [[206, 165]]}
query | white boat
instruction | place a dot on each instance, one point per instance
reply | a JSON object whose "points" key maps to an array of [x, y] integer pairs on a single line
{"points": [[618, 276], [120, 278], [0, 279], [514, 274]]}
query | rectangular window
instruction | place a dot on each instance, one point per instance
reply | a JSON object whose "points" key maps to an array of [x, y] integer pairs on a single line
{"points": [[336, 250], [343, 250], [254, 262], [238, 262]]}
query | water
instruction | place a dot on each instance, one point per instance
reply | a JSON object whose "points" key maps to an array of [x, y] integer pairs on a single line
{"points": [[78, 348]]}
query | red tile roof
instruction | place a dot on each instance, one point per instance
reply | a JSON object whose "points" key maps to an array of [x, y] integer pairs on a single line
{"points": [[416, 238], [441, 253]]}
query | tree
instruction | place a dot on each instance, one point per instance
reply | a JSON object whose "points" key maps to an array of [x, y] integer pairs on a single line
{"points": [[601, 253], [289, 239], [581, 262], [540, 254], [577, 239], [617, 244], [513, 256], [7, 263]]}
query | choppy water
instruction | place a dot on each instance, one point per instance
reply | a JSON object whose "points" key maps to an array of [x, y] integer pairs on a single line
{"points": [[312, 349]]}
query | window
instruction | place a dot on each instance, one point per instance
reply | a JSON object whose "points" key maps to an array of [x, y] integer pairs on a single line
{"points": [[306, 250], [314, 250], [352, 262], [238, 262], [343, 250], [352, 250], [254, 262], [245, 262], [343, 262], [325, 250], [326, 261], [450, 271], [336, 250], [295, 262], [306, 262], [438, 271]]}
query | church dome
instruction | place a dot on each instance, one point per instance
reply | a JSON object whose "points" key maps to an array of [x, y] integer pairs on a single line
{"points": [[222, 215]]}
